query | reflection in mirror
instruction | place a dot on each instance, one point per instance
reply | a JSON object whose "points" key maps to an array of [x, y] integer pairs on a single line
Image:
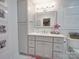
{"points": [[46, 22]]}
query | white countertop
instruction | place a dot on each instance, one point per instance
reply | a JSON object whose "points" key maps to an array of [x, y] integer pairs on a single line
{"points": [[51, 35]]}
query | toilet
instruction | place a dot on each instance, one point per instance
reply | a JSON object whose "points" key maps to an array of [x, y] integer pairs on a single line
{"points": [[74, 44]]}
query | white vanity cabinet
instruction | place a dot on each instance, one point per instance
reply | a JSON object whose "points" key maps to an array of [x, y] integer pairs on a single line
{"points": [[48, 47]]}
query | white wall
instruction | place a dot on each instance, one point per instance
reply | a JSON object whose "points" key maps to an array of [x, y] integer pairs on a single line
{"points": [[12, 29], [12, 42], [69, 15]]}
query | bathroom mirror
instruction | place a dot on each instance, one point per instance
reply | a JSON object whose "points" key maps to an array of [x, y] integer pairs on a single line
{"points": [[45, 19]]}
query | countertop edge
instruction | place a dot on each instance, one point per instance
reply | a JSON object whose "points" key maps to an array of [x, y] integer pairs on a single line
{"points": [[50, 35]]}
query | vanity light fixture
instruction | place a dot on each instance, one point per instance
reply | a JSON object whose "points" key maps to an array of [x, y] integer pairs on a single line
{"points": [[45, 9], [44, 5]]}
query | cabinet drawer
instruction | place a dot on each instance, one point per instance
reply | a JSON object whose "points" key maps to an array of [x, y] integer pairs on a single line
{"points": [[59, 40], [59, 47], [31, 51], [46, 39], [31, 38], [58, 56], [31, 43]]}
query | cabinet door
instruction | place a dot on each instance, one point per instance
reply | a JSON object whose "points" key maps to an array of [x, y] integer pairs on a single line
{"points": [[44, 49], [22, 36], [59, 47], [22, 10]]}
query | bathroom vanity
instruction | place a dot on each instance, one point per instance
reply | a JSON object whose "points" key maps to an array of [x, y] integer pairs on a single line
{"points": [[47, 46]]}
